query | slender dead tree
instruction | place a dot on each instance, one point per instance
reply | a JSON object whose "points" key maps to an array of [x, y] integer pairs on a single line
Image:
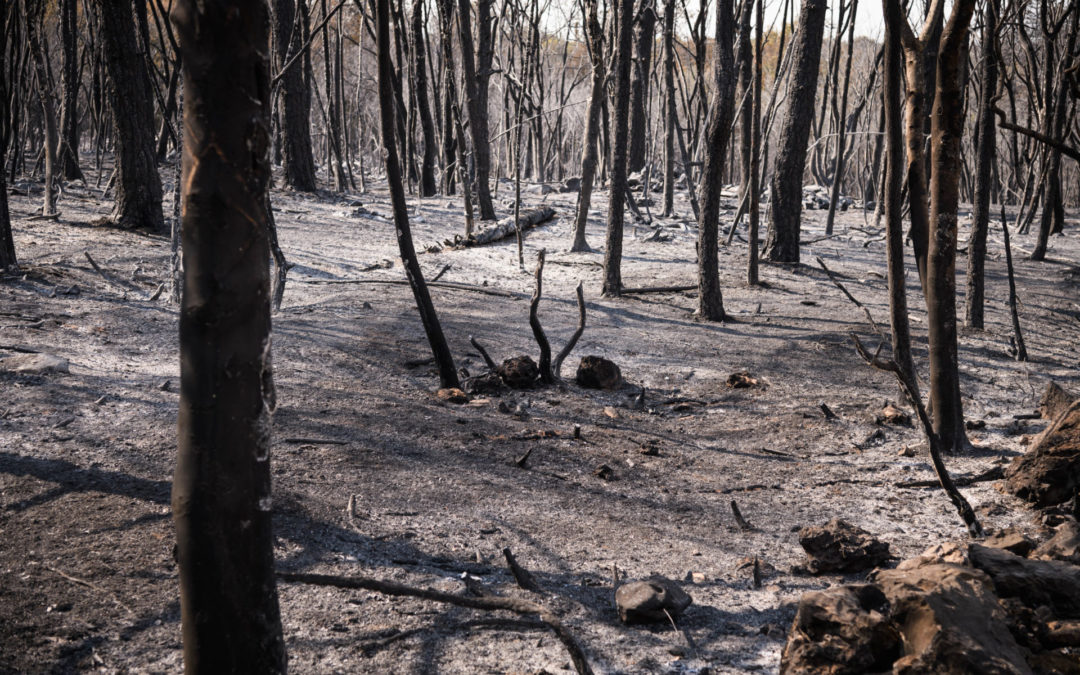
{"points": [[710, 297], [427, 123], [444, 361], [945, 147], [32, 15], [984, 166], [620, 131], [838, 166], [670, 112], [1053, 213], [591, 137], [644, 30], [138, 185], [785, 209], [894, 178], [221, 489], [754, 184]]}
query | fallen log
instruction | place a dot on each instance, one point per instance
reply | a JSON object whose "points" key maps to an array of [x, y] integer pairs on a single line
{"points": [[506, 227]]}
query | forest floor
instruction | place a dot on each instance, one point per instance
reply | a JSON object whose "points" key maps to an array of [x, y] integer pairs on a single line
{"points": [[87, 578]]}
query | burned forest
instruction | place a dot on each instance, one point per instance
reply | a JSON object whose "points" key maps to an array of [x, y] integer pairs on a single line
{"points": [[540, 336]]}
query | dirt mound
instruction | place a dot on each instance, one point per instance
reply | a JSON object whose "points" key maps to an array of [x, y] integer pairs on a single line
{"points": [[954, 609], [1049, 473], [841, 547]]}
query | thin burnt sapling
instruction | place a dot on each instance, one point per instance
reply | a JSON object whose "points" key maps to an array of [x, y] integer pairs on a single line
{"points": [[521, 372]]}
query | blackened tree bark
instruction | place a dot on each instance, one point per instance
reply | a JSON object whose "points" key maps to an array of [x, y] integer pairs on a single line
{"points": [[591, 137], [221, 488], [670, 112], [947, 128], [754, 183], [292, 30], [32, 14], [138, 185], [7, 243], [427, 123], [746, 65], [710, 297], [476, 70], [620, 130], [644, 32], [69, 107], [444, 361], [984, 165], [894, 179], [449, 103], [785, 210]]}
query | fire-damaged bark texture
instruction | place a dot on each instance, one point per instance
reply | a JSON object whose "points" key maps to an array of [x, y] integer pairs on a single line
{"points": [[138, 186], [221, 489]]}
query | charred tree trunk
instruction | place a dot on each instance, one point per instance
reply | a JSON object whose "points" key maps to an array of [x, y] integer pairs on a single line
{"points": [[891, 191], [221, 489], [746, 103], [32, 13], [427, 124], [669, 107], [8, 261], [620, 123], [591, 137], [292, 30], [476, 68], [69, 108], [987, 145], [710, 297], [785, 209], [138, 186], [945, 148], [645, 25], [754, 183], [443, 360], [917, 51]]}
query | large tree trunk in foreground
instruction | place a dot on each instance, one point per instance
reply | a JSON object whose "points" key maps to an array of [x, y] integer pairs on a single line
{"points": [[984, 166], [947, 129], [138, 186], [785, 209], [710, 297], [7, 243], [441, 351], [620, 122], [291, 29], [221, 489]]}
